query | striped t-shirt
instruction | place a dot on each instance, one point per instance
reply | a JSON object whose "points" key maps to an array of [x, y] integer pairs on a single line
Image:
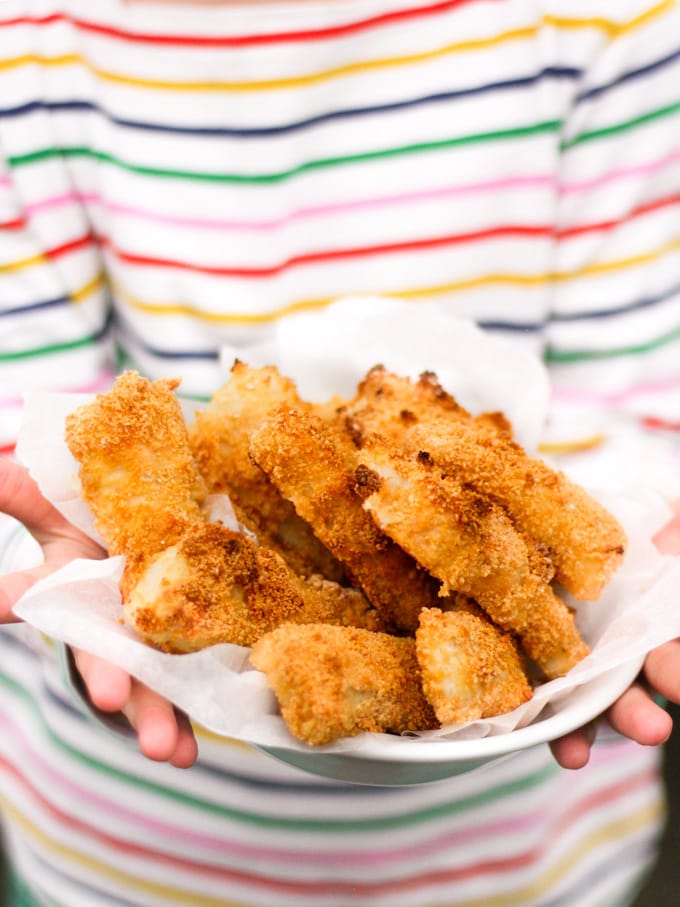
{"points": [[174, 178]]}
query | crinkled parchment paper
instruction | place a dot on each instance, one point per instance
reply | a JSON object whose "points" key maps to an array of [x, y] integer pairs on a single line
{"points": [[328, 353]]}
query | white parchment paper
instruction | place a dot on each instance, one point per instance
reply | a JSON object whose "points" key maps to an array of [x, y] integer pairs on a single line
{"points": [[328, 353]]}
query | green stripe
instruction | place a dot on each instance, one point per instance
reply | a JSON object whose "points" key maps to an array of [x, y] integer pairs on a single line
{"points": [[327, 824], [548, 126], [617, 128], [49, 350], [33, 157], [555, 356], [17, 893]]}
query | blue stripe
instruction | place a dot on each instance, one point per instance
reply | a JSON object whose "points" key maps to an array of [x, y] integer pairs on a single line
{"points": [[21, 895], [644, 303], [131, 337], [552, 72], [626, 77], [571, 317], [513, 327], [36, 306]]}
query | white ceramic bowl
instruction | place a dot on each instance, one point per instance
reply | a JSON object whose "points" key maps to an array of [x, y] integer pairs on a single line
{"points": [[416, 761]]}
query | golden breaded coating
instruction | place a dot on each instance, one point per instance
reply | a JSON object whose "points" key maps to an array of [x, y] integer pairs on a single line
{"points": [[339, 681], [216, 586], [470, 544], [219, 439], [186, 584], [584, 542], [313, 466], [448, 530], [137, 473], [327, 602], [388, 405], [470, 669]]}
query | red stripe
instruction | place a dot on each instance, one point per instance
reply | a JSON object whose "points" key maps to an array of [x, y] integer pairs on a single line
{"points": [[335, 31], [655, 422], [333, 254], [15, 224], [509, 230], [327, 255], [7, 449], [336, 887], [655, 205], [73, 245]]}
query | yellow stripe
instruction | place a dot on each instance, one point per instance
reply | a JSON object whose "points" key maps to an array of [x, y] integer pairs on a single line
{"points": [[97, 282], [471, 283], [645, 817], [76, 296], [97, 867], [39, 259], [634, 822], [611, 29], [574, 446]]}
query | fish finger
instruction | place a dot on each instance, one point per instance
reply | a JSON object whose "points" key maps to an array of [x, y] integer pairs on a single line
{"points": [[136, 470], [584, 542], [219, 439], [470, 669], [314, 467], [216, 585], [335, 682], [469, 543]]}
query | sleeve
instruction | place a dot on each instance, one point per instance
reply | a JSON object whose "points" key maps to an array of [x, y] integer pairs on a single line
{"points": [[613, 341], [55, 321], [54, 307]]}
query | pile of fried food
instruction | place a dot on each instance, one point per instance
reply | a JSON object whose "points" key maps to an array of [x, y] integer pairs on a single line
{"points": [[400, 559]]}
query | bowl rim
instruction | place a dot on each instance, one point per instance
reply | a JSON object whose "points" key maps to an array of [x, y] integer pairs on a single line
{"points": [[582, 705]]}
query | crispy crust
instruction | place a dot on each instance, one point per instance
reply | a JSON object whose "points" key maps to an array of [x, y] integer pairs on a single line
{"points": [[218, 586], [470, 669], [470, 544], [339, 681], [447, 529], [583, 541], [137, 473], [313, 465], [219, 439]]}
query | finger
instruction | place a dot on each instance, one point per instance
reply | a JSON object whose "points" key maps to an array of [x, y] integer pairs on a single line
{"points": [[668, 538], [662, 670], [637, 716], [57, 553], [186, 751], [12, 587], [108, 686], [155, 721], [573, 750], [21, 498], [163, 734]]}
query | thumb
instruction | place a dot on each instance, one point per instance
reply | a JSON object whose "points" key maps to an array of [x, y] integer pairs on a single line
{"points": [[14, 585]]}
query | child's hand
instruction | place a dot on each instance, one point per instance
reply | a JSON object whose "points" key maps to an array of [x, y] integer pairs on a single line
{"points": [[163, 734], [635, 714], [60, 541]]}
